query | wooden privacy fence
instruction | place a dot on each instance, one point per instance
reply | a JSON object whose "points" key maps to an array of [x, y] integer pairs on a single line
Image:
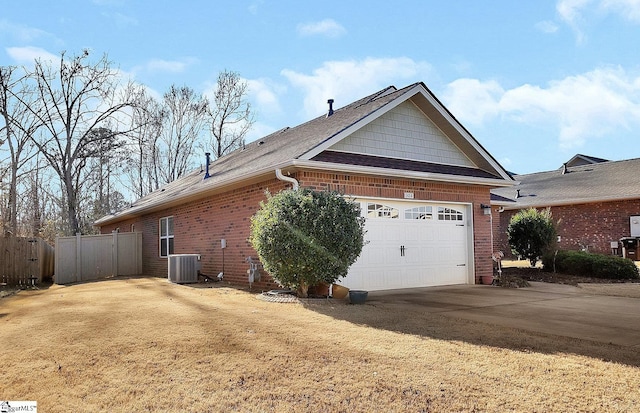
{"points": [[25, 261], [89, 257]]}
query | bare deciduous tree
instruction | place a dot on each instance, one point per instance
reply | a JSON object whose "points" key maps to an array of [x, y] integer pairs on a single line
{"points": [[75, 117], [230, 113], [184, 116], [162, 145], [77, 99], [39, 213], [18, 126], [142, 175], [103, 170]]}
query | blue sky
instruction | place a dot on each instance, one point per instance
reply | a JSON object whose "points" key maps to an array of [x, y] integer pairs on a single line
{"points": [[535, 81]]}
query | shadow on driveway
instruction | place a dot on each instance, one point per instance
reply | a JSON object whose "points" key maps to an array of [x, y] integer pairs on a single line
{"points": [[547, 318]]}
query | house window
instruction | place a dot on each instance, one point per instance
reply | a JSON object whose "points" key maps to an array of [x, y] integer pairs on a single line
{"points": [[381, 211], [448, 214], [166, 236], [420, 212]]}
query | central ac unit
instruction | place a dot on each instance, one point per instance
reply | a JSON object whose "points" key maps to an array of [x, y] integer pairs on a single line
{"points": [[183, 268]]}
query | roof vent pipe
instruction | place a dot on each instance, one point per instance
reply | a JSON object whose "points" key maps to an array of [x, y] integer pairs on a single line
{"points": [[517, 193], [206, 174], [564, 168], [330, 102], [287, 179]]}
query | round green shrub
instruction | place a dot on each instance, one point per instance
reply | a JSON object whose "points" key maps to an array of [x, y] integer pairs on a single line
{"points": [[590, 265], [531, 233], [305, 237]]}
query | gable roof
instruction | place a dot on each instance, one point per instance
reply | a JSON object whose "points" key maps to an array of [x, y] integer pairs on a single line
{"points": [[580, 159], [304, 146], [597, 182]]}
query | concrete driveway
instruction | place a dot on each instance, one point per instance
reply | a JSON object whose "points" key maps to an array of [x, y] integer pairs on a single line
{"points": [[546, 308]]}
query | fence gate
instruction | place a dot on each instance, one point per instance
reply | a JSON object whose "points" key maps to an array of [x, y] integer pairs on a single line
{"points": [[24, 261], [89, 257]]}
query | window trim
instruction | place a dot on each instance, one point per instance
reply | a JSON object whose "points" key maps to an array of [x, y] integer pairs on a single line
{"points": [[416, 212], [166, 237], [382, 211], [449, 214]]}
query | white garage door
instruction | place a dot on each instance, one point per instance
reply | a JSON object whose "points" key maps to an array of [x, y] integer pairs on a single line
{"points": [[411, 245]]}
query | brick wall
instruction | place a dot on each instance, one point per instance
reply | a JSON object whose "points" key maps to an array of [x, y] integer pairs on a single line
{"points": [[496, 225], [199, 226], [585, 225]]}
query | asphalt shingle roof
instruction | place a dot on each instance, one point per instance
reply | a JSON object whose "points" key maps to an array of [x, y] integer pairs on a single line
{"points": [[581, 159], [266, 153], [604, 181], [274, 151]]}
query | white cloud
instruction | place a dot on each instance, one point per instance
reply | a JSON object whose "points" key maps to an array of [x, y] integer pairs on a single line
{"points": [[571, 12], [546, 26], [473, 100], [22, 33], [326, 27], [579, 107], [259, 130], [576, 12], [28, 55], [348, 80], [264, 94], [629, 9]]}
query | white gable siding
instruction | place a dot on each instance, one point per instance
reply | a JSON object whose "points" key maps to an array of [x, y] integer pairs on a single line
{"points": [[404, 133]]}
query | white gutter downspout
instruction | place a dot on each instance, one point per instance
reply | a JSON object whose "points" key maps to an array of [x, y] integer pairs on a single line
{"points": [[286, 178]]}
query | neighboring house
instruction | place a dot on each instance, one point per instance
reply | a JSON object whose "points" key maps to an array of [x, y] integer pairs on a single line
{"points": [[580, 159], [418, 174], [592, 200]]}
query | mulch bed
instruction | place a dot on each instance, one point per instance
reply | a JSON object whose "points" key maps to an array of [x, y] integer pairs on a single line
{"points": [[536, 274]]}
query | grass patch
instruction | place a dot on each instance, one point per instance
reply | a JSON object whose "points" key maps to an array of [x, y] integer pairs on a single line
{"points": [[144, 344]]}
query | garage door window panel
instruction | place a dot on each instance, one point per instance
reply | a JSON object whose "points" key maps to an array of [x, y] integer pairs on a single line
{"points": [[449, 214], [419, 212], [381, 211]]}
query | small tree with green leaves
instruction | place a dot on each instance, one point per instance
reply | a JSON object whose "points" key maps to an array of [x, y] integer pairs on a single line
{"points": [[306, 237], [531, 233]]}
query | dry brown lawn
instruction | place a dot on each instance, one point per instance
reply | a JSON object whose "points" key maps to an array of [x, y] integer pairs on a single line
{"points": [[143, 344]]}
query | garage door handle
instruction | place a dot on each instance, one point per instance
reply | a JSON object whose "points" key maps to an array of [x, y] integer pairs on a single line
{"points": [[402, 250], [461, 265]]}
